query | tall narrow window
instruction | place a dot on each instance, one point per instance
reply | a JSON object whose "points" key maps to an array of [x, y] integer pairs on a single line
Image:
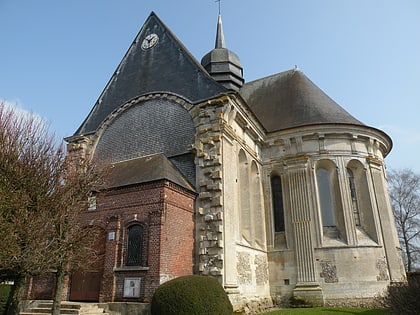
{"points": [[278, 209], [325, 194], [244, 197], [355, 206], [362, 204], [134, 244], [257, 221]]}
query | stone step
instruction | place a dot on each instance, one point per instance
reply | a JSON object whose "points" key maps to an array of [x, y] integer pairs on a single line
{"points": [[65, 305], [67, 308], [30, 312], [42, 310]]}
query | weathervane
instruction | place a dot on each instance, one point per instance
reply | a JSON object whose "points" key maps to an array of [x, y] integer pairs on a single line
{"points": [[219, 1]]}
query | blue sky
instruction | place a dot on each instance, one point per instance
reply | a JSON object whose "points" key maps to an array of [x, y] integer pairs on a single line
{"points": [[57, 56]]}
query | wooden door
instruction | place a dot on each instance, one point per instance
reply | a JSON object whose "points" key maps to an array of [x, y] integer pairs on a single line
{"points": [[85, 286]]}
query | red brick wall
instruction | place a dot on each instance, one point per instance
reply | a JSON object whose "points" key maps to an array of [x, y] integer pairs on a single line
{"points": [[41, 287], [177, 234], [166, 213]]}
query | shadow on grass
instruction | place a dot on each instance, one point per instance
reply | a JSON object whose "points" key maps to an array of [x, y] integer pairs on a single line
{"points": [[358, 311], [328, 311]]}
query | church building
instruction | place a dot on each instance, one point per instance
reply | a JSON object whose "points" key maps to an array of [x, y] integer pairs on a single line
{"points": [[269, 186]]}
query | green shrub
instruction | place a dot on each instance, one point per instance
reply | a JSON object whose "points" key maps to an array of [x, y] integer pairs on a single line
{"points": [[198, 295], [403, 298], [4, 294]]}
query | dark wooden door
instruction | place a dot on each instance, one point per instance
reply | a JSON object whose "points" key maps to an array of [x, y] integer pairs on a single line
{"points": [[85, 286]]}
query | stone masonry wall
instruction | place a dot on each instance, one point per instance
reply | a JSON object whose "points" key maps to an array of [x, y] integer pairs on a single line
{"points": [[206, 119]]}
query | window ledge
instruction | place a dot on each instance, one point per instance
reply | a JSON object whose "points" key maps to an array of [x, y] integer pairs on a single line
{"points": [[131, 268]]}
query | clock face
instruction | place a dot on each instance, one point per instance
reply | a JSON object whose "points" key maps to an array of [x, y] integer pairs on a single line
{"points": [[149, 41]]}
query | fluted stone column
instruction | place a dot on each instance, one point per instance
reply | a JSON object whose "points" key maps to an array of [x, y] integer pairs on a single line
{"points": [[307, 287]]}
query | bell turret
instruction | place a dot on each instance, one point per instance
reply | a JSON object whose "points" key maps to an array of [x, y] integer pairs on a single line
{"points": [[222, 64]]}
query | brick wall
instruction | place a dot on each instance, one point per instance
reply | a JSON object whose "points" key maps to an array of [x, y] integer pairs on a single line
{"points": [[166, 213], [40, 287], [176, 245]]}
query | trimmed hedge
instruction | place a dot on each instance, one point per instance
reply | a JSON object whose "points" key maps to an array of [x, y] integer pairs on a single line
{"points": [[4, 294], [198, 295], [403, 298]]}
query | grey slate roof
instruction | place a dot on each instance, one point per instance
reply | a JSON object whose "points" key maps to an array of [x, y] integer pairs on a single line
{"points": [[281, 101], [289, 99], [167, 67], [146, 169]]}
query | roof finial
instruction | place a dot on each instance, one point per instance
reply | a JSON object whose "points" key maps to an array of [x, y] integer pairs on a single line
{"points": [[220, 10]]}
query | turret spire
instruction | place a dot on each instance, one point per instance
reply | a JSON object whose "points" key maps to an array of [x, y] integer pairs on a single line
{"points": [[220, 37]]}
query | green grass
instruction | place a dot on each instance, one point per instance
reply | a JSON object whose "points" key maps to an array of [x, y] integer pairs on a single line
{"points": [[4, 293], [327, 311]]}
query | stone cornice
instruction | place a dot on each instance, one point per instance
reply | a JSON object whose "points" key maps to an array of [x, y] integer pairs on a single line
{"points": [[351, 132]]}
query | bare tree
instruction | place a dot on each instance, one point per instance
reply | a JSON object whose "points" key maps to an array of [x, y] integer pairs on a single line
{"points": [[72, 242], [404, 187], [41, 197], [29, 170]]}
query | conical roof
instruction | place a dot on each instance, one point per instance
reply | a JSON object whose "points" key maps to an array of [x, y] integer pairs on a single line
{"points": [[289, 99], [155, 62]]}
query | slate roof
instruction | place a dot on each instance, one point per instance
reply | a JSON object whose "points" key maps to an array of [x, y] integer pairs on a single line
{"points": [[167, 67], [289, 99], [281, 101], [146, 169]]}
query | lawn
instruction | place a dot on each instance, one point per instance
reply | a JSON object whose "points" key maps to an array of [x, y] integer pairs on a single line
{"points": [[327, 311]]}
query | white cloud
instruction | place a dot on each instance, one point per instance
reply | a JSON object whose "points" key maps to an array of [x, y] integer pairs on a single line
{"points": [[16, 105], [11, 103]]}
